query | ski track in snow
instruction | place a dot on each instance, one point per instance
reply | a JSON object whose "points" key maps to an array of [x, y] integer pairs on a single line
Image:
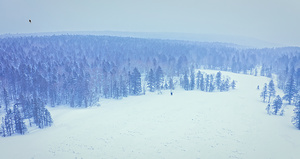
{"points": [[189, 124]]}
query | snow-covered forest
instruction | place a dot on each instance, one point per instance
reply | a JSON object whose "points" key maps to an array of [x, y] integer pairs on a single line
{"points": [[42, 73], [79, 71]]}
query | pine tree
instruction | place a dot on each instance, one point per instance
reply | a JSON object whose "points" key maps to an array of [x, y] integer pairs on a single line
{"points": [[136, 82], [218, 80], [271, 90], [207, 83], [290, 90], [202, 84], [19, 123], [185, 82], [151, 81], [211, 84], [5, 99], [233, 84], [3, 127], [171, 84], [159, 77], [277, 104], [296, 117], [198, 80], [268, 109], [192, 80], [264, 93], [9, 123], [226, 85]]}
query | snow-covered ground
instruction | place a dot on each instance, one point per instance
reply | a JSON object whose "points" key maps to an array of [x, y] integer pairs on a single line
{"points": [[189, 125]]}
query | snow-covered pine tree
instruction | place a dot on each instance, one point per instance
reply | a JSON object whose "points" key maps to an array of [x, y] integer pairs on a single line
{"points": [[5, 99], [159, 78], [42, 117], [211, 84], [268, 108], [277, 104], [3, 127], [198, 80], [296, 117], [218, 80], [9, 123], [19, 123], [233, 84], [151, 81], [186, 82], [290, 89], [264, 93], [271, 90], [171, 84], [136, 82], [207, 83], [202, 84], [192, 80], [226, 85]]}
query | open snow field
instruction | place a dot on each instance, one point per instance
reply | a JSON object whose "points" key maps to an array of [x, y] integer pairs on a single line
{"points": [[187, 125]]}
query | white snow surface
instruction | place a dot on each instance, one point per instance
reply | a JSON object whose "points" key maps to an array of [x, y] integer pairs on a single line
{"points": [[187, 125]]}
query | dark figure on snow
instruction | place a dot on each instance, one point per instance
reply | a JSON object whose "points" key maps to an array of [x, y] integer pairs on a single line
{"points": [[171, 93], [258, 87]]}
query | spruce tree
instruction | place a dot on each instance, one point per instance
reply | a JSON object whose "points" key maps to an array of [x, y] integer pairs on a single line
{"points": [[211, 84], [207, 83], [296, 117], [290, 90], [5, 99], [218, 80], [185, 82], [202, 84], [233, 84], [151, 81], [268, 108], [264, 93], [159, 77], [136, 82], [192, 80], [277, 104], [171, 84], [198, 80], [271, 90]]}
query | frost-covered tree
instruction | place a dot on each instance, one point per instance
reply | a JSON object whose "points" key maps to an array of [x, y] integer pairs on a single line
{"points": [[290, 90], [268, 109], [19, 123], [136, 86], [277, 104], [296, 117], [186, 82], [264, 93], [6, 99], [271, 90], [151, 81], [211, 84], [192, 80], [233, 84], [198, 80], [159, 78], [171, 84], [207, 83], [218, 80]]}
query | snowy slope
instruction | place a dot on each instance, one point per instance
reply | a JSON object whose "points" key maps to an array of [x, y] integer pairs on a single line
{"points": [[189, 124]]}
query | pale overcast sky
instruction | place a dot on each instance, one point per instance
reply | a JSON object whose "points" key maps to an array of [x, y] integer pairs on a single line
{"points": [[269, 20]]}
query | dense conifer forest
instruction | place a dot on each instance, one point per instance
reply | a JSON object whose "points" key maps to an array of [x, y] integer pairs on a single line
{"points": [[79, 70]]}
